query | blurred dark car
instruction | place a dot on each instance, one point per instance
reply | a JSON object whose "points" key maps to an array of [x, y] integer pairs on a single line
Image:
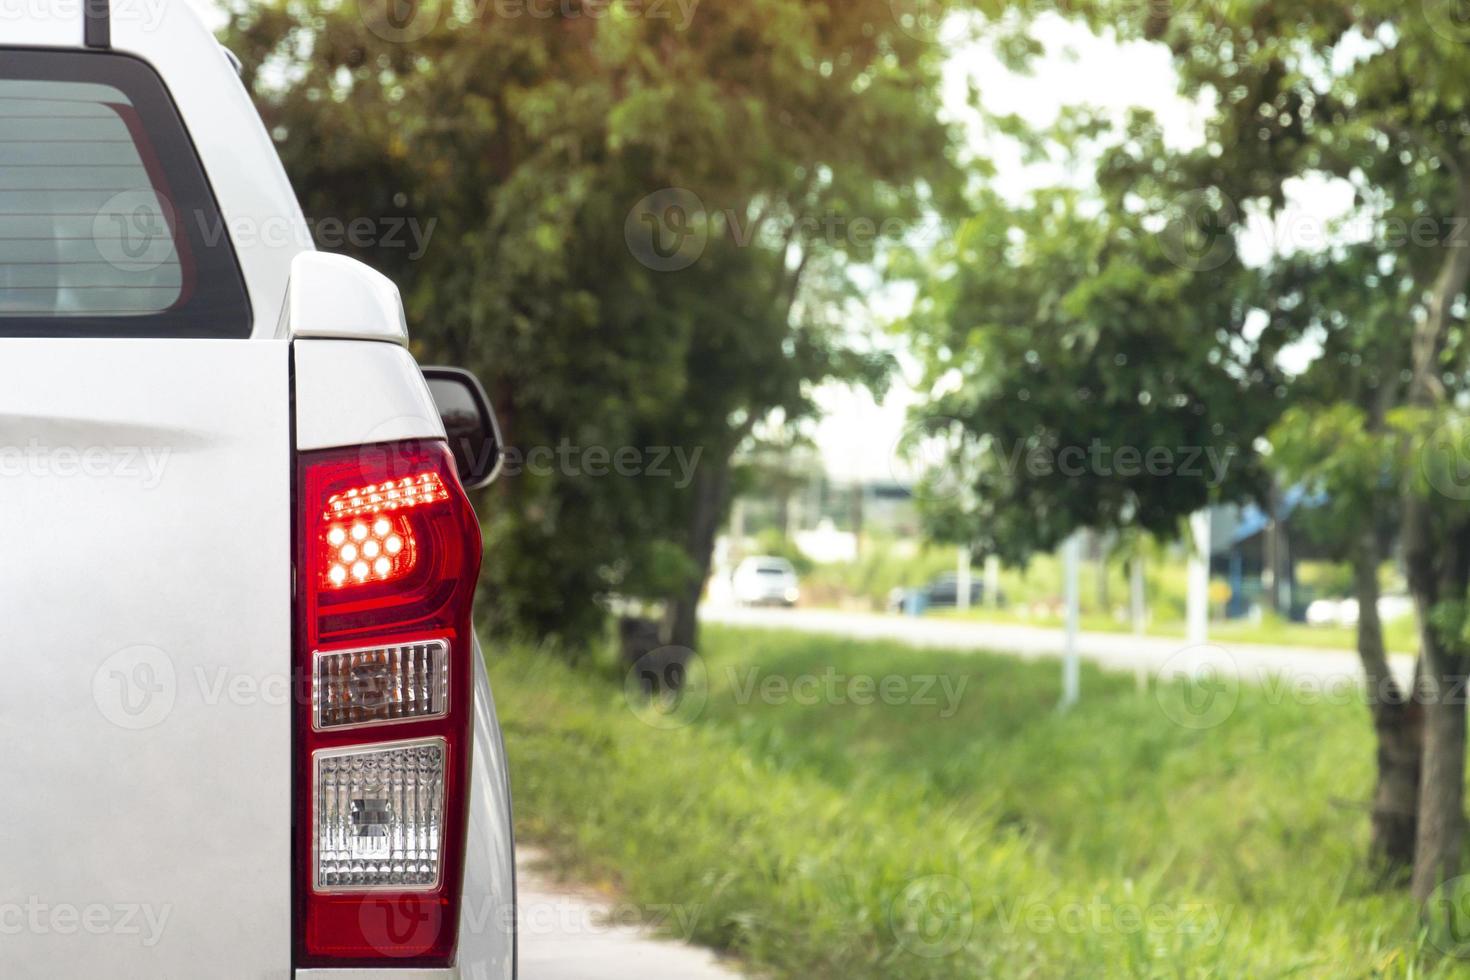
{"points": [[941, 593]]}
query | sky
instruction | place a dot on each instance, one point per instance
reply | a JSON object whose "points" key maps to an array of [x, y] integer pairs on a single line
{"points": [[857, 437]]}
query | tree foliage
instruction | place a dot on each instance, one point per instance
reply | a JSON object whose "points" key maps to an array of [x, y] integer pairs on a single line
{"points": [[644, 231], [1098, 349]]}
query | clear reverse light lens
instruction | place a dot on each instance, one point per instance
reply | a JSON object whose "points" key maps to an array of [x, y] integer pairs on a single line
{"points": [[396, 683], [380, 817]]}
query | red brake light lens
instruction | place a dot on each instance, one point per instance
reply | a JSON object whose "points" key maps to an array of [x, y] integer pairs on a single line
{"points": [[388, 551], [372, 547]]}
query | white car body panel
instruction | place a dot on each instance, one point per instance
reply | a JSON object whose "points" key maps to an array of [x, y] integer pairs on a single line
{"points": [[353, 392], [347, 301], [487, 937], [193, 812], [49, 24], [143, 591]]}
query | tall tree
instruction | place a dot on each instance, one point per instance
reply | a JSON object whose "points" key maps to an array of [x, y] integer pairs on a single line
{"points": [[1339, 440], [645, 221], [1372, 93]]}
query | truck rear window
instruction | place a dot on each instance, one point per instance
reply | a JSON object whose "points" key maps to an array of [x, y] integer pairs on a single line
{"points": [[107, 223]]}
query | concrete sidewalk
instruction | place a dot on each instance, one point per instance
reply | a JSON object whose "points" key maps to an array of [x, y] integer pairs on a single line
{"points": [[573, 934]]}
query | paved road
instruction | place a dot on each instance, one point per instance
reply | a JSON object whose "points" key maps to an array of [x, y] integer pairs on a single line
{"points": [[571, 934], [1120, 651]]}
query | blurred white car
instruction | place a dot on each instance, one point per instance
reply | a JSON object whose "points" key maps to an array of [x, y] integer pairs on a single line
{"points": [[764, 580], [1391, 607], [1344, 612], [1322, 612]]}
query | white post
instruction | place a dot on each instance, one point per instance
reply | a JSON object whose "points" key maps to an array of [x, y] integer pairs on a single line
{"points": [[1136, 588], [992, 581], [737, 531], [1198, 602], [962, 575], [1139, 611], [1071, 670]]}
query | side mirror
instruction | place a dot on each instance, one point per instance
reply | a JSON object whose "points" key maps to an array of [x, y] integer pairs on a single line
{"points": [[469, 422]]}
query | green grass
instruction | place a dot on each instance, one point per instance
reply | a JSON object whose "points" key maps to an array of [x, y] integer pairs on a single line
{"points": [[997, 839]]}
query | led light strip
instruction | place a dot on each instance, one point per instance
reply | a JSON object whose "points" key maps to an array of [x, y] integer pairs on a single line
{"points": [[390, 495]]}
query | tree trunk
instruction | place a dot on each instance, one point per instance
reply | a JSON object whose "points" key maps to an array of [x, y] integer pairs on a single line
{"points": [[1400, 731], [1438, 572], [1398, 725], [1442, 781], [711, 490], [1435, 561]]}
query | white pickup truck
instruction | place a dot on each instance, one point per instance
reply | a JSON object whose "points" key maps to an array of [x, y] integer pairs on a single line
{"points": [[246, 730]]}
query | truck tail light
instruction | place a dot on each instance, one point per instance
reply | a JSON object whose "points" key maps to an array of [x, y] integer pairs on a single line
{"points": [[387, 554]]}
